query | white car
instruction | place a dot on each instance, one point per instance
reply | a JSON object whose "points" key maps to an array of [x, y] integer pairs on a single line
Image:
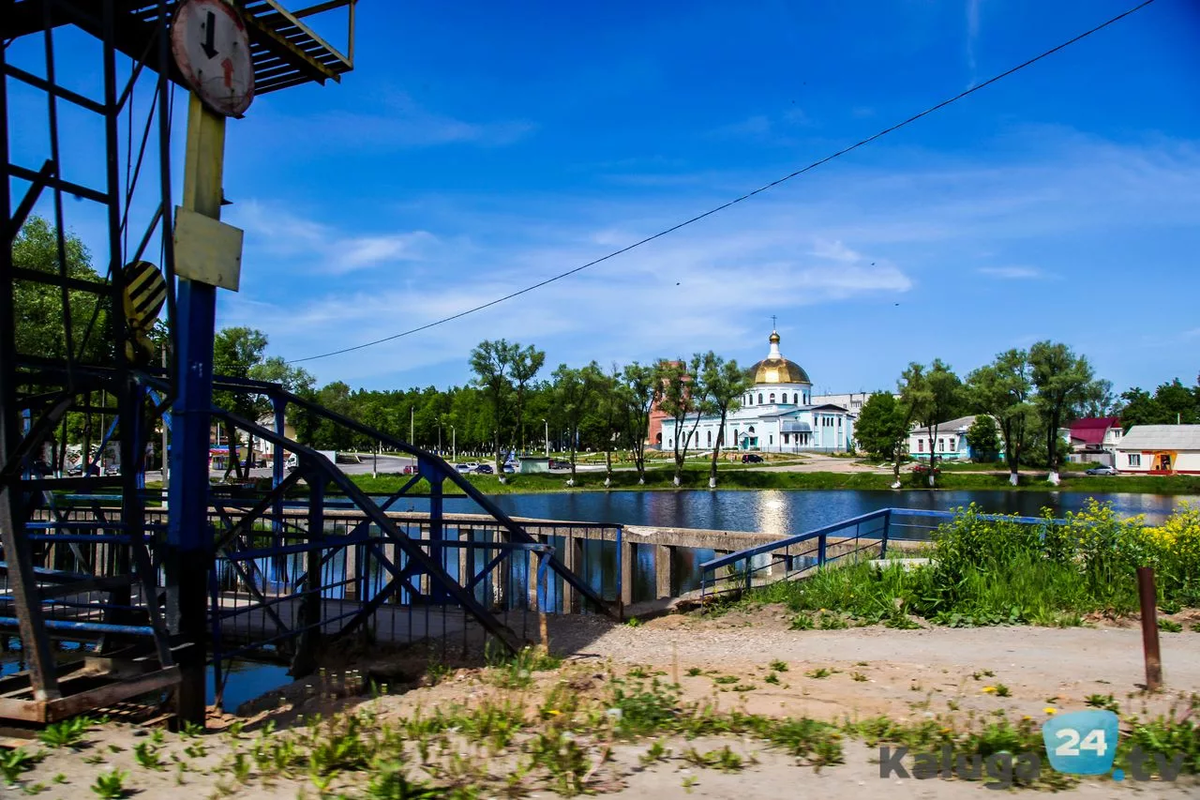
{"points": [[468, 466]]}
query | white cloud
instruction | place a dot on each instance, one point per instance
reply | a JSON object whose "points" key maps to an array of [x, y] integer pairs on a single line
{"points": [[843, 234], [397, 121], [322, 248], [1013, 273]]}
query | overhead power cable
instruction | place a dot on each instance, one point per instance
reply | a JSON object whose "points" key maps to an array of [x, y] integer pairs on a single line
{"points": [[743, 198]]}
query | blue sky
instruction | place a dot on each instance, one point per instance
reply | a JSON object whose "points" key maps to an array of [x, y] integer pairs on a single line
{"points": [[481, 147]]}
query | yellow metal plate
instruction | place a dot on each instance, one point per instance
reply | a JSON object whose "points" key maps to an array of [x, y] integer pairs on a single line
{"points": [[207, 250]]}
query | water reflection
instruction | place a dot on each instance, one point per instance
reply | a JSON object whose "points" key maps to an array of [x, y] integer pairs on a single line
{"points": [[785, 512]]}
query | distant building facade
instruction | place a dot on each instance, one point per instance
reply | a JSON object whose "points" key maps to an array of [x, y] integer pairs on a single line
{"points": [[1094, 440], [1160, 450], [777, 415], [950, 444]]}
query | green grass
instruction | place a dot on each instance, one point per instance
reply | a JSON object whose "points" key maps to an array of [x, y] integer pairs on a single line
{"points": [[998, 572], [696, 477]]}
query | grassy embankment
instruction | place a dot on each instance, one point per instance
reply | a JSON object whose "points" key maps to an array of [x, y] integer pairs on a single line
{"points": [[696, 477], [985, 572]]}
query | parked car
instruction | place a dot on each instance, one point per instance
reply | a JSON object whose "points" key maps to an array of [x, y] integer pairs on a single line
{"points": [[409, 469], [923, 469], [1102, 469], [483, 469], [751, 458], [463, 467], [509, 468]]}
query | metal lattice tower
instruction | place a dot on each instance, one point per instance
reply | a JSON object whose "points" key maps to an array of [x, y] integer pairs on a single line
{"points": [[80, 560]]}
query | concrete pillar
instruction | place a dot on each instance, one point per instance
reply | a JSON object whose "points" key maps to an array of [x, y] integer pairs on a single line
{"points": [[531, 559], [627, 570], [351, 572], [464, 557], [501, 579], [572, 558], [663, 572]]}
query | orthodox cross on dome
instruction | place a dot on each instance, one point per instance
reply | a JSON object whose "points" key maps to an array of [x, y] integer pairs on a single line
{"points": [[772, 322]]}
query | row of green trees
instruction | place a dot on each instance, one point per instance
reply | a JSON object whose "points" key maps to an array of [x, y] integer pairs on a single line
{"points": [[508, 405], [605, 410], [1024, 398]]}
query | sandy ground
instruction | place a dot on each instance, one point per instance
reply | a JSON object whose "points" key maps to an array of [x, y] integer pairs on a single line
{"points": [[833, 675]]}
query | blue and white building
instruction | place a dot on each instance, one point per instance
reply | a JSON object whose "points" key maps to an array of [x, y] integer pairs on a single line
{"points": [[777, 415]]}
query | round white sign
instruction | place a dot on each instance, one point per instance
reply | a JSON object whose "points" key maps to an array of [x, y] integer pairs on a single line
{"points": [[212, 49]]}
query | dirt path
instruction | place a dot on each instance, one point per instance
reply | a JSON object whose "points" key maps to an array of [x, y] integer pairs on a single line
{"points": [[906, 672], [749, 662]]}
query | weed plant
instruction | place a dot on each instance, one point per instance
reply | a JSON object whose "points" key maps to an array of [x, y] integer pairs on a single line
{"points": [[989, 572]]}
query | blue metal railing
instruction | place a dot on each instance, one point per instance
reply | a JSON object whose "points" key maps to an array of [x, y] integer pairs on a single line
{"points": [[864, 536]]}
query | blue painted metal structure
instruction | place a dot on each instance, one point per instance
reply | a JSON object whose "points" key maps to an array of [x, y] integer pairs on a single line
{"points": [[863, 537]]}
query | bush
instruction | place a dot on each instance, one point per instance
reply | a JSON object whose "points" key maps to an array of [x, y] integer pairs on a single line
{"points": [[1001, 571]]}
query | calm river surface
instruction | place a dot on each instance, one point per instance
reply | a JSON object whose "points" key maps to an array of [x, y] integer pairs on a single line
{"points": [[770, 511], [789, 512], [773, 511]]}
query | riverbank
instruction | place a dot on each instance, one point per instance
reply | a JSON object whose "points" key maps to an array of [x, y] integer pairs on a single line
{"points": [[679, 707], [752, 479]]}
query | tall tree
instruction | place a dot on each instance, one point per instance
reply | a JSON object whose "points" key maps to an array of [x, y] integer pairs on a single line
{"points": [[642, 389], [984, 438], [237, 351], [41, 318], [723, 383], [1004, 390], [1063, 381], [612, 409], [933, 394], [492, 364], [574, 390], [525, 367], [677, 401], [882, 426]]}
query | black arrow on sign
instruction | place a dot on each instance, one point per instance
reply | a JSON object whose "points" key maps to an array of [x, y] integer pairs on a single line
{"points": [[209, 31]]}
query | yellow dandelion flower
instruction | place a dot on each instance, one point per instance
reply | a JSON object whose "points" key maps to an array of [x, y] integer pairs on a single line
{"points": [[1050, 710], [989, 690], [554, 711]]}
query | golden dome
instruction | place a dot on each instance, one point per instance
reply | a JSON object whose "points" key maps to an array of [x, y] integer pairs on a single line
{"points": [[776, 369]]}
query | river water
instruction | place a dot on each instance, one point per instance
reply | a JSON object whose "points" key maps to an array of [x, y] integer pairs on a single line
{"points": [[772, 511], [785, 512]]}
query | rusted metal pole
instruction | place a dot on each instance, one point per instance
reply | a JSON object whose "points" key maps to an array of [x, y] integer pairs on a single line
{"points": [[1149, 603]]}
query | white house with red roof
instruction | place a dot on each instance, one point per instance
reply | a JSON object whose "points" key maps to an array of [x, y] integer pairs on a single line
{"points": [[1094, 439]]}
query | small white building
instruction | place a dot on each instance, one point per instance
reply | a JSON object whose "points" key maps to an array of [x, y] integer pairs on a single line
{"points": [[950, 443], [777, 415], [1160, 450]]}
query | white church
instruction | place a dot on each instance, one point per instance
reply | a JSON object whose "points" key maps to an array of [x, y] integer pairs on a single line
{"points": [[777, 415]]}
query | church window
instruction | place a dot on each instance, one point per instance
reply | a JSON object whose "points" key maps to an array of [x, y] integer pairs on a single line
{"points": [[710, 438], [771, 439], [795, 399], [760, 397], [772, 400], [920, 445], [785, 438]]}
